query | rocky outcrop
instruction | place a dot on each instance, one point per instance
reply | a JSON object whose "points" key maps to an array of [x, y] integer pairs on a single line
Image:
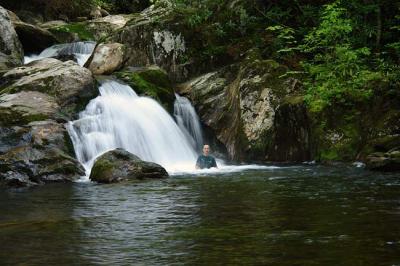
{"points": [[69, 84], [119, 165], [244, 105], [35, 101], [26, 106], [385, 155], [11, 53], [33, 38], [156, 42], [107, 58], [150, 81], [102, 28], [387, 162], [36, 153]]}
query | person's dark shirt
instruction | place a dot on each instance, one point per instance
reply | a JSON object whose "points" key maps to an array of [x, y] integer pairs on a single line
{"points": [[205, 162]]}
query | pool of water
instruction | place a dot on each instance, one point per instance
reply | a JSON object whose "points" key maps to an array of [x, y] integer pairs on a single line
{"points": [[299, 215]]}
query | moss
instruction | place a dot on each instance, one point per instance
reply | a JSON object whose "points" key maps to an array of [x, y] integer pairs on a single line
{"points": [[101, 170], [79, 28], [152, 83], [9, 117]]}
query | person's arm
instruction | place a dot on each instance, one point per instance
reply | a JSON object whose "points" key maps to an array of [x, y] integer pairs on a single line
{"points": [[198, 163]]}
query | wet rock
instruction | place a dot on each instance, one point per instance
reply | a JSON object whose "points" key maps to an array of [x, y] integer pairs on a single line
{"points": [[240, 104], [150, 81], [386, 155], [119, 165], [72, 86], [107, 58], [43, 156], [387, 162], [11, 53]]}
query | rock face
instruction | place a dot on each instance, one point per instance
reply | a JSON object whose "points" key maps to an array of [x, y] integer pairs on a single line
{"points": [[69, 84], [11, 53], [155, 43], [36, 153], [243, 104], [26, 106], [107, 58], [119, 165], [33, 38], [35, 101]]}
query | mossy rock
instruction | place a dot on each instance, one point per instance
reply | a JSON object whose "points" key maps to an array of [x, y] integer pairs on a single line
{"points": [[119, 165], [63, 33], [152, 82]]}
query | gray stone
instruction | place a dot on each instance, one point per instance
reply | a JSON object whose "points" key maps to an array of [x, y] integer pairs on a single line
{"points": [[119, 165], [11, 53], [70, 84], [26, 106], [43, 156], [107, 58]]}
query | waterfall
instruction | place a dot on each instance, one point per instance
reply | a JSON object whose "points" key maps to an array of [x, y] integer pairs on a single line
{"points": [[80, 50], [119, 118], [188, 121]]}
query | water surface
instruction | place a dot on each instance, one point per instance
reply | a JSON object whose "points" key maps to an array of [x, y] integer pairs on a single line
{"points": [[301, 215]]}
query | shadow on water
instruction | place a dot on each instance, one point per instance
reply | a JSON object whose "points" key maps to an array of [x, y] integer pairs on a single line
{"points": [[302, 215]]}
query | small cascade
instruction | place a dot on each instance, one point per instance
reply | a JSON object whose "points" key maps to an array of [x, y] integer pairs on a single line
{"points": [[80, 50], [188, 121], [119, 118]]}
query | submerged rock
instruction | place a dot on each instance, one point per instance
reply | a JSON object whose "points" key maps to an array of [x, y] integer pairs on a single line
{"points": [[71, 86], [119, 165], [11, 53], [107, 58]]}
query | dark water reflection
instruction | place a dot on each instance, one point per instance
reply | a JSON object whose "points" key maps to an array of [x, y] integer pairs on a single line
{"points": [[288, 216]]}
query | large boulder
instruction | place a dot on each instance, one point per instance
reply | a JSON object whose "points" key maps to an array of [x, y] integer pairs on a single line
{"points": [[107, 58], [385, 155], [40, 152], [244, 105], [26, 106], [119, 165], [71, 85], [11, 53], [153, 38], [387, 162]]}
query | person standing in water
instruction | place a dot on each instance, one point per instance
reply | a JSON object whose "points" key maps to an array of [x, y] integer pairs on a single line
{"points": [[205, 160]]}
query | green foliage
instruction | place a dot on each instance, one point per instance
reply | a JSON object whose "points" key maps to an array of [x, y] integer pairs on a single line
{"points": [[338, 73]]}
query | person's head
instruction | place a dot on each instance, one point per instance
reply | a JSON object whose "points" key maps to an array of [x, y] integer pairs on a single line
{"points": [[206, 149]]}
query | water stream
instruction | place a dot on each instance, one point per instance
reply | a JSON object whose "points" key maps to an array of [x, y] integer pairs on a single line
{"points": [[80, 50], [119, 118]]}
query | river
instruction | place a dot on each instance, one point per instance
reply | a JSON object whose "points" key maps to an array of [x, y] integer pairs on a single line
{"points": [[297, 215]]}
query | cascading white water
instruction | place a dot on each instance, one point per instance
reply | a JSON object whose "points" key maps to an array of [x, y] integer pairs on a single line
{"points": [[81, 50], [188, 121], [119, 118]]}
